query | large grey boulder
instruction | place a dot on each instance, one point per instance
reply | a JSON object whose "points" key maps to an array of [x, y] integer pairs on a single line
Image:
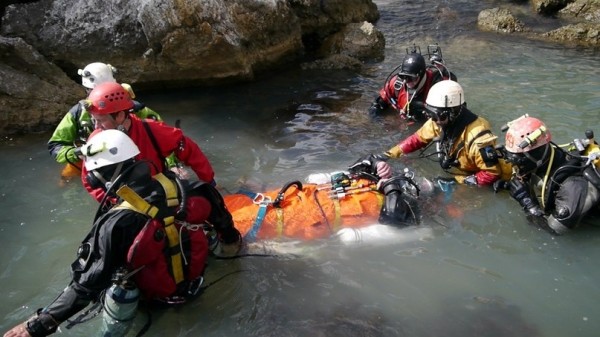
{"points": [[173, 43], [183, 42], [579, 34], [587, 10], [33, 91]]}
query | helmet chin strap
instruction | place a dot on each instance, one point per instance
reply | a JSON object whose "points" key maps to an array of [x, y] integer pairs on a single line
{"points": [[123, 127], [109, 183], [538, 163], [419, 86]]}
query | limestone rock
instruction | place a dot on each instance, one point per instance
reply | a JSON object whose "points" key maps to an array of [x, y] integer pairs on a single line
{"points": [[580, 34], [499, 20], [175, 43], [33, 91]]}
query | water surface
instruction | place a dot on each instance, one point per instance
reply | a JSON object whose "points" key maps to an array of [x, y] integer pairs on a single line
{"points": [[482, 271]]}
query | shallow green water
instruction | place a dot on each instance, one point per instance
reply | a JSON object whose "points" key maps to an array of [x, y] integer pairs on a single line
{"points": [[482, 271]]}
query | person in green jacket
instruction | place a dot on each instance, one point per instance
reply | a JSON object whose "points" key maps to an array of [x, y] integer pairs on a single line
{"points": [[77, 124]]}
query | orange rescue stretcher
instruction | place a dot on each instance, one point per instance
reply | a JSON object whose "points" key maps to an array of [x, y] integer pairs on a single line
{"points": [[305, 211]]}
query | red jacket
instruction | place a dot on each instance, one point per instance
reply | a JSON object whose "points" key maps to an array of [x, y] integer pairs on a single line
{"points": [[399, 99], [170, 140]]}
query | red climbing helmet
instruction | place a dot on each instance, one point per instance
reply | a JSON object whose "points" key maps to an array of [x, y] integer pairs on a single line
{"points": [[108, 98]]}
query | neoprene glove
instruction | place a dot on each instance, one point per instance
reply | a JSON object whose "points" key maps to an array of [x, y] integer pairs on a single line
{"points": [[467, 180], [377, 107], [500, 185], [444, 183], [383, 170], [230, 235], [394, 152], [519, 192], [373, 164]]}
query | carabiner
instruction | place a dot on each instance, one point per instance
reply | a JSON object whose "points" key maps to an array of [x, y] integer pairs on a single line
{"points": [[261, 199]]}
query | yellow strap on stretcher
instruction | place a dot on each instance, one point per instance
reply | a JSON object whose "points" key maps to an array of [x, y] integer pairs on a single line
{"points": [[337, 221], [279, 212], [380, 199], [136, 203]]}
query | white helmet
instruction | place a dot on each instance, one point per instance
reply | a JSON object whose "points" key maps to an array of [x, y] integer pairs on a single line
{"points": [[444, 101], [96, 73], [445, 94], [108, 147]]}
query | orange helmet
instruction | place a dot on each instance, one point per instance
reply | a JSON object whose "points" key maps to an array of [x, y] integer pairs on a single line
{"points": [[109, 97], [525, 134]]}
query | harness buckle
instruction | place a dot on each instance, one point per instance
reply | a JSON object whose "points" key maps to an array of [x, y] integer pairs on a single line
{"points": [[261, 199]]}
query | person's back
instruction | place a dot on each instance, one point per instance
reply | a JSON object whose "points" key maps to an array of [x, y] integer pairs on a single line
{"points": [[153, 239]]}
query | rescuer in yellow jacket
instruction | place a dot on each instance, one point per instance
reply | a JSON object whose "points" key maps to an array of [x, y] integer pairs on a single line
{"points": [[465, 142]]}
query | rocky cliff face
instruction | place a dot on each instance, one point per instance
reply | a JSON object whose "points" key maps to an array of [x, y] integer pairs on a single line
{"points": [[160, 42]]}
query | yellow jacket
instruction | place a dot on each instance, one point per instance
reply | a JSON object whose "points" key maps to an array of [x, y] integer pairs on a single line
{"points": [[466, 149]]}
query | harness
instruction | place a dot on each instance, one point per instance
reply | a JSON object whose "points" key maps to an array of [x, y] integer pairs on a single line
{"points": [[264, 202], [132, 201], [448, 157], [328, 204]]}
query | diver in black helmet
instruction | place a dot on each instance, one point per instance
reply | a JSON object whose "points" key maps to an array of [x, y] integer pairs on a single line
{"points": [[407, 86]]}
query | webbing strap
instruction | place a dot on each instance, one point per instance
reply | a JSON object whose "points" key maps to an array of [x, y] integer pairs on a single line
{"points": [[262, 211], [263, 202], [337, 221], [170, 189], [174, 251], [279, 212], [136, 203]]}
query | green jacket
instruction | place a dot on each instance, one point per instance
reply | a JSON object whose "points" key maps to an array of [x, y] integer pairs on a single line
{"points": [[76, 126]]}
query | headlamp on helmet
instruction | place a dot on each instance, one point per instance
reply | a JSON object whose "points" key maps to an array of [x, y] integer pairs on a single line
{"points": [[525, 134], [96, 73]]}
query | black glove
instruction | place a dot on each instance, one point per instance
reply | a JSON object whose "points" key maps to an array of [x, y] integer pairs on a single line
{"points": [[364, 164], [500, 185], [368, 165], [377, 107], [519, 192], [416, 108]]}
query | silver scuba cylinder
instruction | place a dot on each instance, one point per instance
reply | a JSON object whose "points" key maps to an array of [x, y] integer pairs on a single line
{"points": [[120, 306]]}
